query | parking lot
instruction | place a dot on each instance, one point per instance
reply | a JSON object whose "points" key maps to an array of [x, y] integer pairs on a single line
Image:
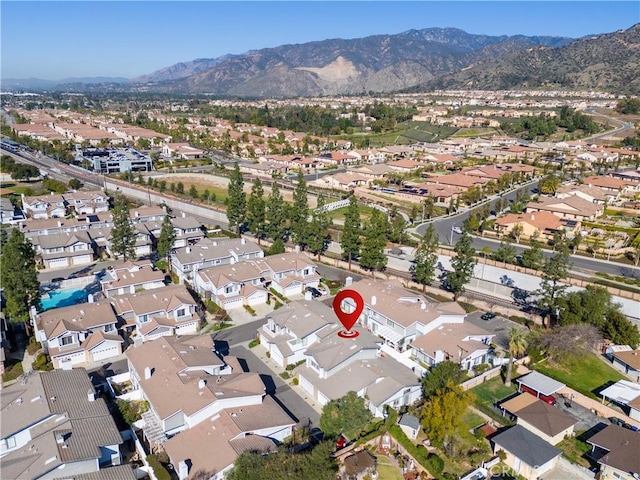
{"points": [[499, 325]]}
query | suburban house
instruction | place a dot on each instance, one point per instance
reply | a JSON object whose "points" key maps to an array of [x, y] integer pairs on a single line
{"points": [[335, 366], [291, 273], [182, 151], [64, 250], [570, 208], [293, 328], [589, 193], [211, 409], [86, 203], [158, 312], [54, 426], [9, 213], [545, 223], [628, 362], [612, 184], [544, 420], [234, 285], [210, 252], [44, 206], [617, 451], [527, 454], [188, 231], [131, 277], [400, 316], [147, 213], [77, 334], [461, 343]]}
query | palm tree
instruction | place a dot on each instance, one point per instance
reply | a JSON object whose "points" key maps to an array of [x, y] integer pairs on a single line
{"points": [[517, 348]]}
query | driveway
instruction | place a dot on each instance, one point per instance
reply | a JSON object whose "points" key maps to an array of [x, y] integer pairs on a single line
{"points": [[498, 325]]}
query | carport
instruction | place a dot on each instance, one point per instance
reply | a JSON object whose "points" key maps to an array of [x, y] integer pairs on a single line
{"points": [[540, 383]]}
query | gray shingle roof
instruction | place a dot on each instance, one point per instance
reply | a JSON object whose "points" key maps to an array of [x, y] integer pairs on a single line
{"points": [[409, 421], [526, 446], [540, 383]]}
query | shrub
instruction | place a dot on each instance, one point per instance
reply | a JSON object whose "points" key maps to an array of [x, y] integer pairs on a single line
{"points": [[277, 305], [42, 362], [33, 346], [254, 343], [294, 365], [295, 381], [132, 411], [435, 464], [159, 470], [285, 375], [249, 309]]}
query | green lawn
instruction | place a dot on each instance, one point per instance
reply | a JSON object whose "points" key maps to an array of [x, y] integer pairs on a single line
{"points": [[492, 390], [339, 213], [587, 373], [574, 449], [387, 471], [12, 371]]}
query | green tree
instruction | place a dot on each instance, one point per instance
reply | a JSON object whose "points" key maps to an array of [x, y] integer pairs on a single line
{"points": [[276, 213], [346, 414], [439, 376], [75, 184], [256, 210], [554, 271], [463, 264], [299, 213], [276, 247], [376, 231], [549, 184], [442, 413], [517, 348], [398, 225], [236, 199], [123, 235], [180, 188], [424, 266], [506, 251], [350, 240], [19, 278], [318, 230], [193, 191], [532, 257], [166, 239], [22, 171]]}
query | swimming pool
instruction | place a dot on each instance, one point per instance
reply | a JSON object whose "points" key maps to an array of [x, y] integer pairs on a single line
{"points": [[64, 298]]}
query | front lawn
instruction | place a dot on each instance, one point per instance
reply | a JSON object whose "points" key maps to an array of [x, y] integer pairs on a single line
{"points": [[586, 373], [386, 470], [492, 390], [12, 371]]}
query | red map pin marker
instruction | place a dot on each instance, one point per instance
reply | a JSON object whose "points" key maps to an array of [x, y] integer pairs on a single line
{"points": [[348, 320]]}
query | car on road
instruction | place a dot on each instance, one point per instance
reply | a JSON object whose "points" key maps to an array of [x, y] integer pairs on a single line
{"points": [[315, 293], [488, 316], [457, 230]]}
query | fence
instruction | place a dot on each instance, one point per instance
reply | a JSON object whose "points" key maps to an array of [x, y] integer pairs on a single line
{"points": [[475, 381]]}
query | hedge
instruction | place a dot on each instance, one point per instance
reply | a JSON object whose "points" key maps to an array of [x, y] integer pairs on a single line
{"points": [[254, 343], [158, 468]]}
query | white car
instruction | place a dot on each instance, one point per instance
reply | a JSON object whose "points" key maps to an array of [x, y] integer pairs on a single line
{"points": [[457, 230]]}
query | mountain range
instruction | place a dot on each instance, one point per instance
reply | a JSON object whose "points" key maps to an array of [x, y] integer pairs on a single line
{"points": [[414, 61]]}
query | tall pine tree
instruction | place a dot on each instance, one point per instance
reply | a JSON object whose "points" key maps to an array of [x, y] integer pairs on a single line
{"points": [[318, 229], [19, 278], [236, 199], [350, 240], [424, 268], [299, 212], [166, 239], [256, 210], [463, 264], [376, 232], [123, 235], [276, 213]]}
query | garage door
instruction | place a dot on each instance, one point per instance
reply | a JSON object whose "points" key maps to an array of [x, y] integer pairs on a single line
{"points": [[81, 259], [103, 352], [277, 356], [58, 263], [68, 361], [305, 384], [233, 304]]}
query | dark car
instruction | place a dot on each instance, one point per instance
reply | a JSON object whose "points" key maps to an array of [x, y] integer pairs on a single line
{"points": [[316, 435], [488, 316], [315, 293]]}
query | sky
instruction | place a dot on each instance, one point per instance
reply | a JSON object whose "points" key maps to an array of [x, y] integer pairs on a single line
{"points": [[54, 40]]}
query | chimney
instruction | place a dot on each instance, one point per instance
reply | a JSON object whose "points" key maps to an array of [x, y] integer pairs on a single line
{"points": [[307, 295], [243, 241], [183, 470], [147, 373], [91, 395], [533, 217], [59, 438], [423, 306], [297, 249], [373, 300], [202, 383], [90, 298], [59, 223], [188, 249], [137, 213], [348, 281]]}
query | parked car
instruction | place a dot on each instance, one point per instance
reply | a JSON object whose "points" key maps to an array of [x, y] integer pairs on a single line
{"points": [[315, 293], [488, 316], [457, 230], [550, 399]]}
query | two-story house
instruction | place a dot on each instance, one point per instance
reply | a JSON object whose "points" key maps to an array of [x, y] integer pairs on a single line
{"points": [[234, 285], [54, 426], [291, 273], [87, 203], [44, 206], [159, 312], [400, 316], [188, 231], [78, 334], [211, 407], [64, 250], [336, 366], [293, 328], [461, 343], [210, 252], [131, 277]]}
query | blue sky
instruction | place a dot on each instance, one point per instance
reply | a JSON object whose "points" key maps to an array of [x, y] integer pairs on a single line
{"points": [[55, 40]]}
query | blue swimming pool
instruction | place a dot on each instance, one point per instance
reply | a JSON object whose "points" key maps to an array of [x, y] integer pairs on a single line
{"points": [[63, 298]]}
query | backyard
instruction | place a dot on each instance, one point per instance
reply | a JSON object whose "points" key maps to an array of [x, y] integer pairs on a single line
{"points": [[386, 469], [585, 373]]}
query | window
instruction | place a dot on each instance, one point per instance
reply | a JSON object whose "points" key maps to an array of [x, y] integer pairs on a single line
{"points": [[181, 312], [390, 324], [109, 328], [10, 442], [228, 289], [68, 340], [143, 318]]}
